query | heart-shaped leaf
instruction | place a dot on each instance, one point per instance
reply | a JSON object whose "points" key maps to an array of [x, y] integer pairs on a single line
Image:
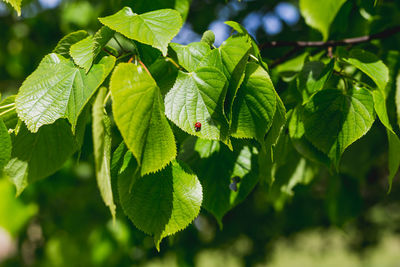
{"points": [[230, 58], [67, 41], [58, 89], [189, 56], [139, 114], [198, 97], [255, 104], [155, 28], [37, 155], [320, 14], [333, 120], [371, 65], [162, 203], [85, 51]]}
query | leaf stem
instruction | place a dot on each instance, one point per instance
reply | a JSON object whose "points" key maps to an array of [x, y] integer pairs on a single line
{"points": [[174, 63], [6, 111], [7, 106], [124, 56], [253, 57], [145, 68], [106, 98], [348, 77]]}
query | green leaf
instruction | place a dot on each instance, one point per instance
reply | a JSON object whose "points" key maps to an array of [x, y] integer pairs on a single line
{"points": [[256, 51], [182, 6], [371, 65], [255, 105], [5, 145], [300, 142], [313, 77], [189, 56], [139, 114], [101, 128], [320, 14], [58, 89], [38, 155], [9, 114], [333, 120], [231, 58], [67, 41], [85, 51], [206, 148], [16, 4], [266, 153], [393, 139], [14, 212], [216, 173], [155, 28], [198, 97], [162, 203]]}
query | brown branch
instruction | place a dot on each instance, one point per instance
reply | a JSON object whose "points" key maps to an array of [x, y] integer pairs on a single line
{"points": [[285, 57], [345, 42]]}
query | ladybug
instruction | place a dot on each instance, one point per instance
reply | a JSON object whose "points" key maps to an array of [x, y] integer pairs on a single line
{"points": [[197, 126]]}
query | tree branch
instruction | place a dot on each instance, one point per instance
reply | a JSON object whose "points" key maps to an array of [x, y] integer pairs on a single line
{"points": [[350, 41]]}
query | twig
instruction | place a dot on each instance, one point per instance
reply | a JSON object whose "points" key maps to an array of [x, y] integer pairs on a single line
{"points": [[284, 58], [108, 52], [124, 56], [349, 41]]}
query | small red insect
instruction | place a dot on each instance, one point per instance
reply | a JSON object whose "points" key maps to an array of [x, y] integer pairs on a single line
{"points": [[197, 126]]}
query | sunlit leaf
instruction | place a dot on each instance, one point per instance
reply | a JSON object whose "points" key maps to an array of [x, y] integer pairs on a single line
{"points": [[16, 4], [189, 56], [85, 51], [67, 41], [58, 89], [198, 97], [320, 14], [101, 128], [371, 65], [255, 104], [155, 28], [139, 114]]}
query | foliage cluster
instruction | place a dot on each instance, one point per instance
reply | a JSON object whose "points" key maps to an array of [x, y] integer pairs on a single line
{"points": [[143, 94]]}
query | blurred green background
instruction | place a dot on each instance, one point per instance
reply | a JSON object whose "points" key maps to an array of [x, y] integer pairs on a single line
{"points": [[347, 220]]}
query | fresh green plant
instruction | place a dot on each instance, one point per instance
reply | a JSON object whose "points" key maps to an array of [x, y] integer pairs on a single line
{"points": [[201, 126]]}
